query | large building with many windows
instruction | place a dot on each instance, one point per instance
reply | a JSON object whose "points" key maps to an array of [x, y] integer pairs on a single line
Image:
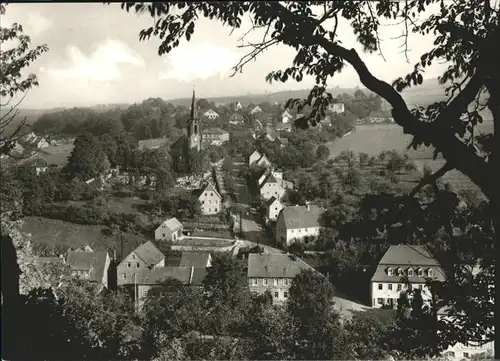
{"points": [[413, 263]]}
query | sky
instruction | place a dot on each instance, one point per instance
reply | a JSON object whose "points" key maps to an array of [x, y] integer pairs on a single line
{"points": [[95, 57]]}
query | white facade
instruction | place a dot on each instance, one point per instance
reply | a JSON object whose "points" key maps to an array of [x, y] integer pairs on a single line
{"points": [[337, 108], [387, 293], [263, 161], [274, 209], [272, 189], [286, 237], [286, 117], [277, 174], [460, 351], [210, 202], [256, 110], [211, 114], [238, 106], [255, 156]]}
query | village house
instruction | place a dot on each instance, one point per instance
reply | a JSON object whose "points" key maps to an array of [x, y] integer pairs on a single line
{"points": [[336, 108], [145, 257], [271, 188], [255, 156], [170, 230], [285, 184], [262, 162], [273, 272], [413, 262], [286, 117], [256, 110], [236, 118], [215, 136], [210, 199], [211, 114], [471, 349], [297, 224], [152, 284], [89, 265], [273, 209], [286, 127], [238, 106]]}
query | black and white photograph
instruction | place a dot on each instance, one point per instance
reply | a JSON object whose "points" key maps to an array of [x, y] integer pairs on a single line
{"points": [[250, 180]]}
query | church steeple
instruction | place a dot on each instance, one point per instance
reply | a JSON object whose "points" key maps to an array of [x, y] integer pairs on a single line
{"points": [[194, 111], [193, 127]]}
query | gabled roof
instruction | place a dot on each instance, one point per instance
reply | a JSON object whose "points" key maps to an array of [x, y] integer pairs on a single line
{"points": [[300, 217], [211, 111], [149, 253], [207, 188], [270, 179], [404, 257], [180, 142], [408, 255], [256, 152], [195, 259], [275, 265], [95, 262], [173, 224], [186, 275]]}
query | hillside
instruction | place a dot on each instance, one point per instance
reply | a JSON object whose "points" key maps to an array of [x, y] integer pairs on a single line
{"points": [[374, 138]]}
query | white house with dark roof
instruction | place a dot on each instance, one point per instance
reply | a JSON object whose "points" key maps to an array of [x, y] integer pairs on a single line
{"points": [[271, 187], [274, 272], [211, 114], [256, 110], [413, 262], [170, 230], [286, 117], [273, 208], [145, 257], [92, 266], [297, 224], [210, 199], [262, 162], [254, 157]]}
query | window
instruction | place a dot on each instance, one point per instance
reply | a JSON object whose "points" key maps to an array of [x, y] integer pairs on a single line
{"points": [[400, 272], [124, 276], [202, 202], [129, 265], [211, 194], [133, 256], [429, 272], [420, 287], [138, 265], [265, 281], [144, 293], [389, 271], [466, 354], [209, 202], [162, 236], [285, 294], [410, 272], [410, 286], [215, 209], [254, 281], [286, 281], [389, 286], [275, 281], [276, 295], [380, 286], [399, 286], [133, 277], [380, 301], [420, 272]]}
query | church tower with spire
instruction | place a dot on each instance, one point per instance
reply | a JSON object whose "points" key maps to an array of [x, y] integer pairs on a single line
{"points": [[193, 127]]}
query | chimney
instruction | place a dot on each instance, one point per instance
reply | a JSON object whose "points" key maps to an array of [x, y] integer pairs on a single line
{"points": [[191, 275]]}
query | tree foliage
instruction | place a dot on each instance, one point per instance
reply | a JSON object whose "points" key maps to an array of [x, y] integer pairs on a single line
{"points": [[14, 83]]}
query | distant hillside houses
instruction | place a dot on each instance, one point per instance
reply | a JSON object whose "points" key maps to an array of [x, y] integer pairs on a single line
{"points": [[35, 141], [337, 108], [236, 118], [214, 136]]}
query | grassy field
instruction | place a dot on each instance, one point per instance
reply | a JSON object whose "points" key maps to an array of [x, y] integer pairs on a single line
{"points": [[57, 155], [52, 231], [374, 138]]}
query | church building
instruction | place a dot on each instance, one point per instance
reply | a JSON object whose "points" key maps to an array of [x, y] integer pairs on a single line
{"points": [[187, 144]]}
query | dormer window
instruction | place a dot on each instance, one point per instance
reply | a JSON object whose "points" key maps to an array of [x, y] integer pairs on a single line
{"points": [[430, 272], [389, 271], [400, 272], [420, 272], [410, 272]]}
